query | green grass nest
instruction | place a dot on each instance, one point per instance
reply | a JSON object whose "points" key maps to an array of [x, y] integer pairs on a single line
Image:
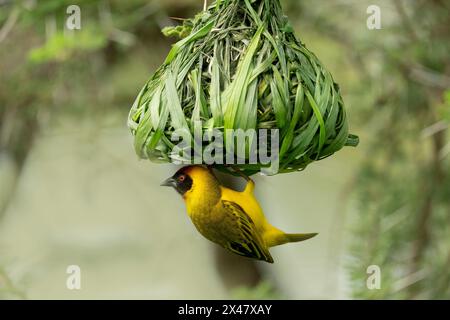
{"points": [[239, 65]]}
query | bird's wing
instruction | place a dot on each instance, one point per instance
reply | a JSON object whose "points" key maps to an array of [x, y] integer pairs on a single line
{"points": [[240, 231]]}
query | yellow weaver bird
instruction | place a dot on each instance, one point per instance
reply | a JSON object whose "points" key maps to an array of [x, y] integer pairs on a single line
{"points": [[232, 219]]}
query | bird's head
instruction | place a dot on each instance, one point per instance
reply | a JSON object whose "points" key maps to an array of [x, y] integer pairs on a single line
{"points": [[193, 177], [181, 181]]}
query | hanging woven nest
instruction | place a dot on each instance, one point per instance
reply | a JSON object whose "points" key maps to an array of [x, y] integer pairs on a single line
{"points": [[240, 66]]}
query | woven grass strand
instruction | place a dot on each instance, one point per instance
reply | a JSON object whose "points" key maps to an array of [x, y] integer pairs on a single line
{"points": [[241, 67]]}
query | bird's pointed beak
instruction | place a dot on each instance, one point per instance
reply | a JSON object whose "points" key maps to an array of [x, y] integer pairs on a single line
{"points": [[169, 183]]}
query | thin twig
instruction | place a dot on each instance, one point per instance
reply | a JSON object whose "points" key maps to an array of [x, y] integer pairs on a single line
{"points": [[405, 20], [9, 24]]}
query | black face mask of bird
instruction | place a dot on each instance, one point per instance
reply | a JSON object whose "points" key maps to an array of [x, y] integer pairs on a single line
{"points": [[180, 182]]}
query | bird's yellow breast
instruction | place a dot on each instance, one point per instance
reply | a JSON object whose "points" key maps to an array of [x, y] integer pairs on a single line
{"points": [[206, 195]]}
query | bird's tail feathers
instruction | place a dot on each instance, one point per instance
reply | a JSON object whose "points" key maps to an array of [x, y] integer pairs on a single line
{"points": [[297, 237], [281, 238]]}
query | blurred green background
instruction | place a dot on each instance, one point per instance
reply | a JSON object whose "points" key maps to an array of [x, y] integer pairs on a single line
{"points": [[72, 191]]}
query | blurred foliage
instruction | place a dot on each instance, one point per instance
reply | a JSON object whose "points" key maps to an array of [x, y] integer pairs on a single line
{"points": [[52, 69], [403, 185], [47, 70], [60, 47]]}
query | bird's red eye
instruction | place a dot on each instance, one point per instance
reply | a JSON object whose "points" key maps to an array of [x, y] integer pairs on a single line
{"points": [[181, 178]]}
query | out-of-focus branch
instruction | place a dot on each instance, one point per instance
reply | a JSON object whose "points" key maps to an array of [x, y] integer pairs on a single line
{"points": [[339, 36], [9, 24], [429, 77], [405, 20]]}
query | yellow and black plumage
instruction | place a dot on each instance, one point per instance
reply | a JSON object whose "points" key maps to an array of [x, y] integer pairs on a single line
{"points": [[232, 219]]}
